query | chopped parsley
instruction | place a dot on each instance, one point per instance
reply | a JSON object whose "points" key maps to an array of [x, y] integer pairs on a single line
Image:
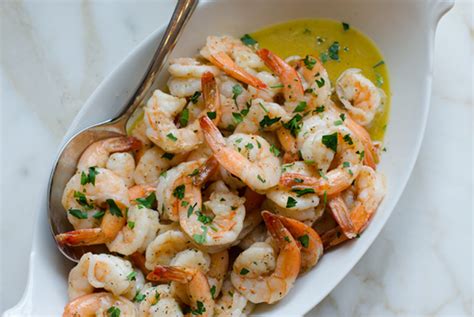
{"points": [[168, 156], [248, 40], [79, 214], [378, 80], [200, 308], [347, 138], [132, 276], [212, 115], [89, 178], [82, 200], [203, 218], [267, 121], [346, 164], [330, 141], [249, 146], [304, 240], [113, 312], [294, 125], [131, 224], [320, 82], [191, 209], [139, 297], [309, 62], [213, 291], [301, 106], [194, 98], [147, 201], [378, 64], [319, 109], [277, 86], [244, 271], [261, 179], [178, 192], [99, 214], [323, 57], [200, 238], [194, 172], [238, 118], [333, 51], [345, 26], [114, 209], [302, 192], [291, 202], [338, 122], [361, 155], [172, 137], [184, 117], [274, 150], [236, 91], [263, 107]]}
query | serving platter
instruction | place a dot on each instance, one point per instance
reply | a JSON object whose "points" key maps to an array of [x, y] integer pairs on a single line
{"points": [[405, 37]]}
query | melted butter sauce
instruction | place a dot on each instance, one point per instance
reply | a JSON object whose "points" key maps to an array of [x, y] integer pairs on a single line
{"points": [[314, 37]]}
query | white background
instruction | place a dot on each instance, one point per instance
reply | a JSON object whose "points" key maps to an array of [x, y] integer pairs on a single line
{"points": [[54, 54]]}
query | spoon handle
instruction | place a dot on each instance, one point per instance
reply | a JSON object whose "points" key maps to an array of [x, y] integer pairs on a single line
{"points": [[181, 15]]}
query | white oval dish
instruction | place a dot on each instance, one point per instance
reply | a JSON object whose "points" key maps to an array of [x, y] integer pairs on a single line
{"points": [[404, 32]]}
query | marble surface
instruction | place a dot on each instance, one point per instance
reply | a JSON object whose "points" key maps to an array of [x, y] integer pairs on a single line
{"points": [[54, 54]]}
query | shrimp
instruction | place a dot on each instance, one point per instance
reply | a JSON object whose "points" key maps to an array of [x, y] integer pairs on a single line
{"points": [[260, 170], [152, 163], [196, 283], [100, 304], [157, 301], [164, 248], [292, 87], [335, 181], [262, 115], [271, 287], [309, 241], [234, 98], [216, 224], [370, 189], [161, 110], [122, 164], [107, 190], [317, 81], [359, 95], [109, 272], [231, 303], [272, 82], [217, 51], [166, 189], [97, 154], [141, 228]]}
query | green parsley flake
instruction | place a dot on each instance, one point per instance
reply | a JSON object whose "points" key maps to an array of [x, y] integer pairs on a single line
{"points": [[378, 80], [244, 271], [184, 117], [132, 276], [294, 125], [309, 62], [320, 82], [378, 64], [277, 86], [291, 202], [345, 26], [333, 51], [148, 201], [139, 297], [347, 138], [131, 224], [261, 179], [249, 146], [323, 57], [238, 118], [172, 137], [302, 192], [212, 115], [99, 214], [300, 107], [113, 312], [304, 240], [200, 238], [330, 141], [114, 209], [319, 109], [194, 98], [213, 291], [274, 150], [79, 214], [248, 40], [178, 192], [168, 156], [267, 121]]}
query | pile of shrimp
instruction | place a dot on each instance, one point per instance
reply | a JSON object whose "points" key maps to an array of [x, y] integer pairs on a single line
{"points": [[234, 183]]}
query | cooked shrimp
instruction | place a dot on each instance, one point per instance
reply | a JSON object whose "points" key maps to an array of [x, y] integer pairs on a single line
{"points": [[231, 303], [164, 248], [217, 223], [109, 272], [100, 304], [369, 187], [166, 189], [234, 99], [196, 283], [359, 95], [335, 181], [141, 228], [152, 163], [122, 164], [317, 81], [292, 87], [161, 110], [262, 115], [271, 287], [98, 152], [260, 170], [107, 190], [273, 84], [309, 241], [157, 301], [217, 51]]}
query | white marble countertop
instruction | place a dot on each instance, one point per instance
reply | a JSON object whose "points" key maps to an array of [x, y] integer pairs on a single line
{"points": [[54, 54]]}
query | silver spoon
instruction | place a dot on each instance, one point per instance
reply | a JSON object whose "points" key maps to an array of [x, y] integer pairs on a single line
{"points": [[65, 165]]}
